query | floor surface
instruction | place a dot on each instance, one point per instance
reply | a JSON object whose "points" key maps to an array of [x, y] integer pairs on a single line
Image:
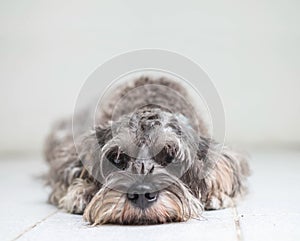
{"points": [[270, 212]]}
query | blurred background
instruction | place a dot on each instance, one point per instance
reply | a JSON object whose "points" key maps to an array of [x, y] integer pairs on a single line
{"points": [[250, 49]]}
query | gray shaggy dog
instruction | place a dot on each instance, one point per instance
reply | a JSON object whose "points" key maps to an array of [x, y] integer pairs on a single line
{"points": [[148, 160]]}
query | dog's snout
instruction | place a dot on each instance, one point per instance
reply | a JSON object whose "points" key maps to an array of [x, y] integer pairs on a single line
{"points": [[142, 195]]}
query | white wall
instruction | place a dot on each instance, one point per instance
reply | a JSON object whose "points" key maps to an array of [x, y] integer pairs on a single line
{"points": [[249, 48]]}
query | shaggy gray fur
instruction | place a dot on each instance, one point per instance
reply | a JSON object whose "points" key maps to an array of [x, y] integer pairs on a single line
{"points": [[137, 140]]}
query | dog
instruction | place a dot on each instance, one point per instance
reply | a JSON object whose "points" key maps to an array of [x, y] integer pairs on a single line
{"points": [[149, 159]]}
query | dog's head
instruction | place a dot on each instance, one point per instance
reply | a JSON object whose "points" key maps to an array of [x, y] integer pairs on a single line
{"points": [[150, 163]]}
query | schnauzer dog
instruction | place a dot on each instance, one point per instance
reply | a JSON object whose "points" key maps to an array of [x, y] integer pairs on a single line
{"points": [[148, 159]]}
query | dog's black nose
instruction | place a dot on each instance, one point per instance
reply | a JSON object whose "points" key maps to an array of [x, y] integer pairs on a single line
{"points": [[142, 195]]}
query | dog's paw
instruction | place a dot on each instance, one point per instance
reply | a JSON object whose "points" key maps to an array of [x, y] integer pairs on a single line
{"points": [[220, 201], [77, 197]]}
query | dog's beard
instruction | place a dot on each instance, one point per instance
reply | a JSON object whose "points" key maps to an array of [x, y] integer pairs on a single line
{"points": [[175, 202]]}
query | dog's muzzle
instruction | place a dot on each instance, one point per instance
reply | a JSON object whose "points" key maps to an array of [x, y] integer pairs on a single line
{"points": [[142, 195]]}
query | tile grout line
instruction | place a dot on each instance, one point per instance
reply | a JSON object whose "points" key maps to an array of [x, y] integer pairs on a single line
{"points": [[34, 225], [237, 224]]}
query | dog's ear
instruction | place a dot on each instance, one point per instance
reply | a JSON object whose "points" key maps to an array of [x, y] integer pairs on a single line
{"points": [[218, 169], [90, 149]]}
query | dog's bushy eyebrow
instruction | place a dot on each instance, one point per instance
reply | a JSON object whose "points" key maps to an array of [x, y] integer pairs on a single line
{"points": [[175, 127]]}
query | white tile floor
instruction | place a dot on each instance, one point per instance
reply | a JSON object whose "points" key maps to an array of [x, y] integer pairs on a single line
{"points": [[270, 212]]}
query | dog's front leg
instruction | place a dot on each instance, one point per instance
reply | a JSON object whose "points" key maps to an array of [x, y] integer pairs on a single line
{"points": [[78, 195]]}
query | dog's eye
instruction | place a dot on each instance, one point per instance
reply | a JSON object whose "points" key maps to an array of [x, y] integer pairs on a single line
{"points": [[164, 157], [120, 160]]}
